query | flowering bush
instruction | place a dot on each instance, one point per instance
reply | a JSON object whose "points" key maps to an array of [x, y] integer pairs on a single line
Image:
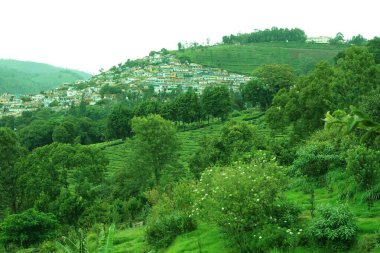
{"points": [[243, 199]]}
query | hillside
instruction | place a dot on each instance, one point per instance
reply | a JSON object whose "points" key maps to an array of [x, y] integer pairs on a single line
{"points": [[208, 237], [21, 77], [244, 58]]}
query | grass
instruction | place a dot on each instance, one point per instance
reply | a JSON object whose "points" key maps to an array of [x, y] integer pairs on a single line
{"points": [[205, 239], [245, 58], [130, 240]]}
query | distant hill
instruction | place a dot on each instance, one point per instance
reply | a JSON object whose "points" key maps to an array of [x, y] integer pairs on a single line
{"points": [[245, 58], [21, 77]]}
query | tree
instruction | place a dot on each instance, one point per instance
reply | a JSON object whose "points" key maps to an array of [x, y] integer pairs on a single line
{"points": [[155, 143], [28, 228], [334, 228], [10, 152], [216, 101], [314, 160], [304, 105], [188, 107], [356, 74], [236, 140], [62, 179], [119, 122], [337, 40], [358, 40], [267, 81], [374, 48]]}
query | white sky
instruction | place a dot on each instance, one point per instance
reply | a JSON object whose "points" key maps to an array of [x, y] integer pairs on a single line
{"points": [[93, 34]]}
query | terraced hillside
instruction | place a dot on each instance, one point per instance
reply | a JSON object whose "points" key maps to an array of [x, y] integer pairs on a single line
{"points": [[245, 58]]}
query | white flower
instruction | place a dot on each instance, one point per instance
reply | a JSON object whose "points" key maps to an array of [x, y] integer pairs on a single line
{"points": [[257, 200], [260, 237]]}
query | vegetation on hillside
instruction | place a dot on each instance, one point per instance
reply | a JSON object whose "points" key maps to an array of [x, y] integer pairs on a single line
{"points": [[247, 57], [288, 164], [19, 77]]}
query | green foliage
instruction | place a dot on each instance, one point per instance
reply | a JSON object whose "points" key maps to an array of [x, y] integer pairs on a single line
{"points": [[358, 40], [164, 230], [235, 140], [37, 134], [337, 40], [334, 228], [374, 48], [245, 58], [170, 216], [356, 120], [315, 159], [10, 153], [304, 105], [364, 165], [222, 198], [61, 179], [28, 228], [216, 101], [119, 122], [20, 77], [268, 80], [155, 145], [267, 35], [356, 74]]}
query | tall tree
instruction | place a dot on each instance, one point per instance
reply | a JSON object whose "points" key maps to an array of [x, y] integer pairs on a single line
{"points": [[10, 153], [155, 144], [119, 122], [267, 81], [216, 101]]}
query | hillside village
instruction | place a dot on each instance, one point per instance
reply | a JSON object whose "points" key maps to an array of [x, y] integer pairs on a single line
{"points": [[160, 72]]}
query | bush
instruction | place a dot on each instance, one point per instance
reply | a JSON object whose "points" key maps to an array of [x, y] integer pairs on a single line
{"points": [[28, 228], [244, 199], [171, 216], [334, 228], [368, 242], [164, 230]]}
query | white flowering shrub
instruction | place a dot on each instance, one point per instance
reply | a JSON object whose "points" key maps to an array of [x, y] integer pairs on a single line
{"points": [[243, 199]]}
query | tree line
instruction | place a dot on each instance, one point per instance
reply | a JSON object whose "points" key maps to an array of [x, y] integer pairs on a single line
{"points": [[267, 35]]}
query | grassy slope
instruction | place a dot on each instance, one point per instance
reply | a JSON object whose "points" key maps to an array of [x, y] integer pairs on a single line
{"points": [[210, 238], [245, 58], [20, 77]]}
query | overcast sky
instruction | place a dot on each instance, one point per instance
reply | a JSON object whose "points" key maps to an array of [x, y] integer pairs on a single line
{"points": [[93, 34]]}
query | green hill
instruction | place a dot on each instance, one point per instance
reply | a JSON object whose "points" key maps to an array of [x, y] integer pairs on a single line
{"points": [[21, 77], [245, 58]]}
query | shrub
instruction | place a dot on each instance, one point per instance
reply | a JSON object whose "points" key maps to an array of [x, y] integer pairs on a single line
{"points": [[334, 228], [28, 228], [171, 216], [244, 199], [161, 232]]}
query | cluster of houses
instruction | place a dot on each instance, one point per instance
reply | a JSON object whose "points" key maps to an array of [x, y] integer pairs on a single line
{"points": [[166, 73], [159, 72]]}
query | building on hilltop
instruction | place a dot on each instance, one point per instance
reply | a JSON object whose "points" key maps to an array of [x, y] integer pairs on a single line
{"points": [[319, 40]]}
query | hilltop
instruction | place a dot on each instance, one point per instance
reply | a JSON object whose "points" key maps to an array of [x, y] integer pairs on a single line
{"points": [[22, 77], [246, 57]]}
